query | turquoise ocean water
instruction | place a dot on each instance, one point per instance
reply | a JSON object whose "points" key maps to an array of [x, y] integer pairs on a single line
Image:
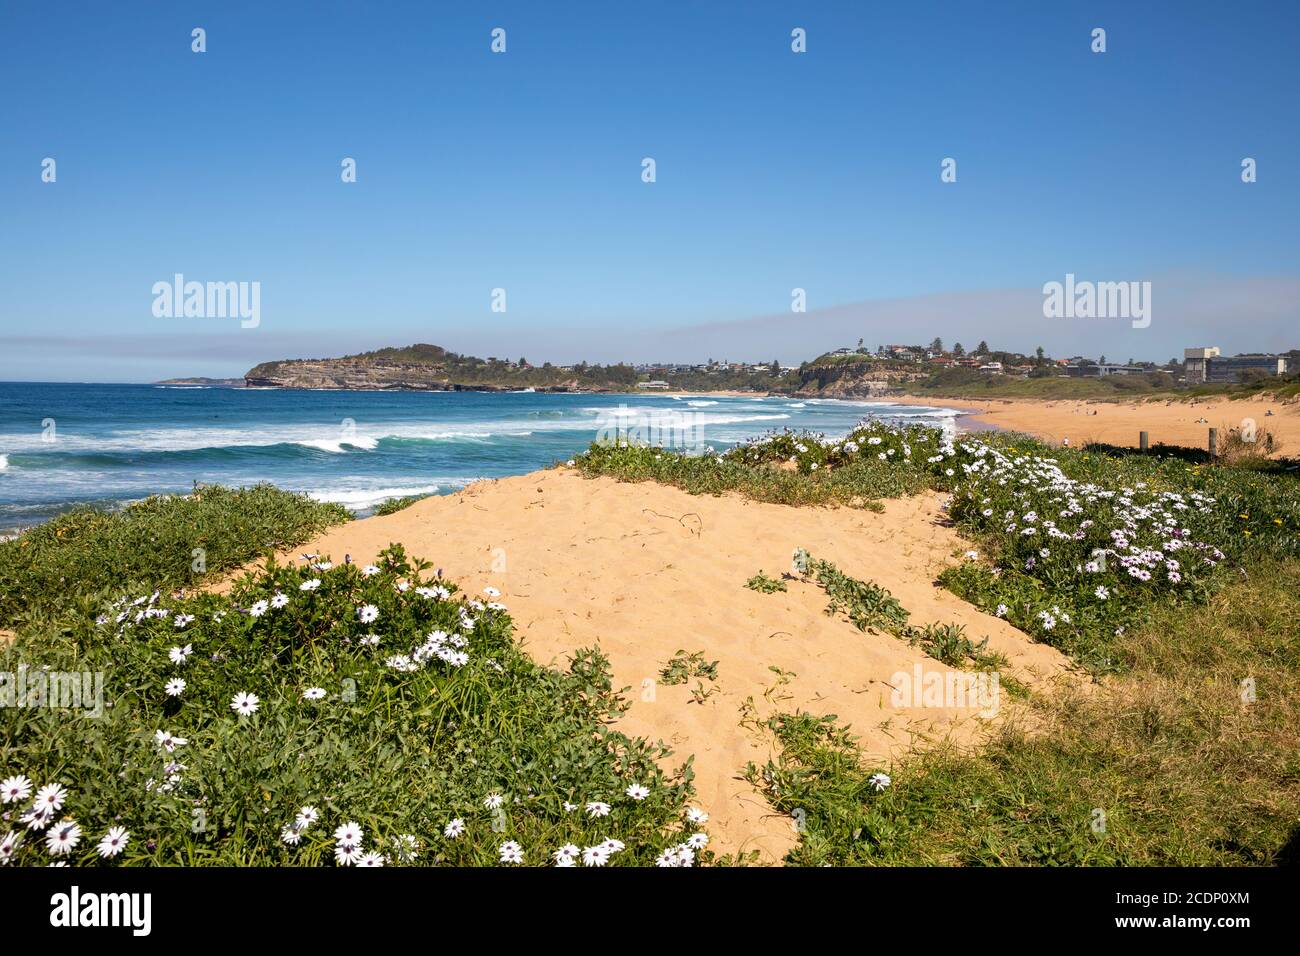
{"points": [[63, 444]]}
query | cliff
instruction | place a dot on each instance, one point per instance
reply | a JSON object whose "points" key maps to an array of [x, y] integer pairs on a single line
{"points": [[431, 368]]}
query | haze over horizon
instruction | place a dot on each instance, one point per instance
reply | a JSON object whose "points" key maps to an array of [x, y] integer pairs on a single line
{"points": [[522, 171]]}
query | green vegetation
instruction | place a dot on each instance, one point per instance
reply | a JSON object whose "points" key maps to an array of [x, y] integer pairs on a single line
{"points": [[1177, 578], [430, 366], [394, 505], [765, 585], [865, 603], [328, 714], [1189, 759], [166, 541], [970, 383], [858, 485], [684, 666]]}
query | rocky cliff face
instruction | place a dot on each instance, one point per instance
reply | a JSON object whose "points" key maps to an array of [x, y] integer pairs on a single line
{"points": [[370, 374], [859, 380]]}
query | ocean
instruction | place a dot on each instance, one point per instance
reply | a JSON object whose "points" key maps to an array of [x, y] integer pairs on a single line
{"points": [[68, 444]]}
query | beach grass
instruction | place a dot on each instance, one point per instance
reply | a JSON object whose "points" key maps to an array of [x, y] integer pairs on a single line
{"points": [[1174, 579], [325, 713], [164, 541], [1187, 759]]}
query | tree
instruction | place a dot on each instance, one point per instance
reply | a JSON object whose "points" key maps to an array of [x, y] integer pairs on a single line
{"points": [[523, 362], [1039, 353], [937, 346], [776, 367], [982, 348], [1101, 360], [958, 351]]}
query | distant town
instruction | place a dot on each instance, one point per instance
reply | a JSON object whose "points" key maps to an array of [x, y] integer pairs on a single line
{"points": [[1199, 365]]}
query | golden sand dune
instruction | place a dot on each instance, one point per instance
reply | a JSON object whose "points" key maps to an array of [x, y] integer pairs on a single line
{"points": [[1118, 423], [644, 570]]}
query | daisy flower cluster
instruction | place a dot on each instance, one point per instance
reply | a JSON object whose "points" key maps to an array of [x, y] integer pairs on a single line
{"points": [[45, 821], [283, 692], [815, 452], [1064, 530]]}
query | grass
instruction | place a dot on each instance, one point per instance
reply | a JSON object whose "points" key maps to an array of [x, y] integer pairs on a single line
{"points": [[428, 718], [1178, 762], [860, 485], [166, 541], [1173, 578], [394, 505]]}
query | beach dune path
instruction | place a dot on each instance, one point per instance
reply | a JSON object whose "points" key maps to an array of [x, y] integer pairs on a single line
{"points": [[644, 570]]}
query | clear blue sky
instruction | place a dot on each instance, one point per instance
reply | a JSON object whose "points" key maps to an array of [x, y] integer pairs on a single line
{"points": [[522, 171]]}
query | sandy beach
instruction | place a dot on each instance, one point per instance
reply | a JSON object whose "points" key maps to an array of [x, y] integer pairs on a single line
{"points": [[644, 571], [1119, 423]]}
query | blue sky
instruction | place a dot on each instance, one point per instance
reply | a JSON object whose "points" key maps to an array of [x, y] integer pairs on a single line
{"points": [[522, 170]]}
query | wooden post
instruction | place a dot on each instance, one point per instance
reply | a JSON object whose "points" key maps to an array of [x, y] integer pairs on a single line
{"points": [[1214, 442], [1142, 440]]}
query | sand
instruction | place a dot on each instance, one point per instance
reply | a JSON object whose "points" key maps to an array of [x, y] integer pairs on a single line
{"points": [[1118, 423], [644, 570]]}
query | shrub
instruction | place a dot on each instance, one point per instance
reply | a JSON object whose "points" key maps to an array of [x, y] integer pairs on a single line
{"points": [[262, 727]]}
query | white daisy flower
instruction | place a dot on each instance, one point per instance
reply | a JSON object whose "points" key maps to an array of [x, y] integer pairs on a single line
{"points": [[597, 809], [168, 741], [879, 781], [370, 570], [15, 788], [244, 704], [566, 854], [175, 687], [313, 693], [637, 792], [349, 833], [179, 654], [492, 801], [310, 585], [279, 600], [595, 856], [372, 859], [306, 817], [50, 797], [491, 592], [511, 852], [696, 815], [113, 842], [454, 828], [291, 834], [63, 837], [8, 845], [346, 854], [259, 608], [367, 614]]}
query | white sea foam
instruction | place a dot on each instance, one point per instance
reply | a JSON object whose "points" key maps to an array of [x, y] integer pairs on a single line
{"points": [[4, 462], [340, 445], [370, 497]]}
